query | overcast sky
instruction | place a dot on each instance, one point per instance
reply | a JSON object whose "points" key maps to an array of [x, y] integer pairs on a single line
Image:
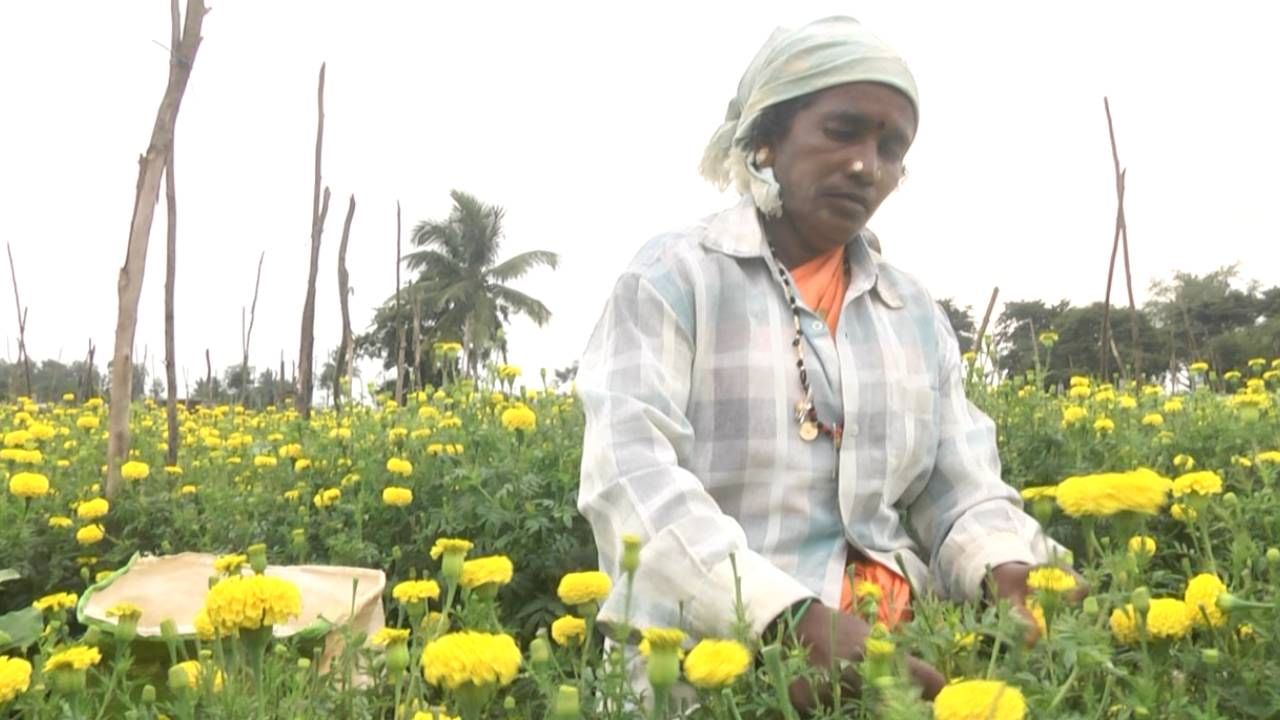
{"points": [[586, 121]]}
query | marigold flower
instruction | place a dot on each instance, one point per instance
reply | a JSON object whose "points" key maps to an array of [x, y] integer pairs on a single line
{"points": [[1201, 598], [399, 466], [1104, 494], [17, 438], [493, 569], [1168, 618], [481, 659], [60, 522], [714, 664], [519, 417], [868, 589], [229, 564], [1153, 420], [194, 671], [1048, 338], [396, 496], [979, 699], [1039, 492], [28, 485], [1172, 405], [301, 464], [78, 657], [1124, 624], [1079, 381], [88, 422], [135, 470], [416, 591], [1204, 482], [124, 611], [1073, 414], [1104, 425], [90, 534], [188, 490], [1051, 579], [584, 587], [250, 602], [264, 461], [1142, 545], [1268, 456], [56, 602], [443, 546], [327, 497], [568, 629], [15, 678], [387, 636], [1183, 513]]}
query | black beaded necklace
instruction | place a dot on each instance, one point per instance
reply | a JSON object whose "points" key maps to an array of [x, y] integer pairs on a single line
{"points": [[810, 427]]}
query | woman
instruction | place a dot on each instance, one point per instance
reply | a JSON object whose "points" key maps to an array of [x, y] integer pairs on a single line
{"points": [[764, 393]]}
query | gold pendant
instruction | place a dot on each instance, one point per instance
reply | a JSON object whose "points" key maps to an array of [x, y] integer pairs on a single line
{"points": [[808, 431]]}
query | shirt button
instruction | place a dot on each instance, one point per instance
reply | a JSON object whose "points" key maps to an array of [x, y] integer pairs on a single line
{"points": [[851, 430], [817, 325]]}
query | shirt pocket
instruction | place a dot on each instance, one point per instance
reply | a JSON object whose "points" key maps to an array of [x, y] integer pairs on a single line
{"points": [[912, 434]]}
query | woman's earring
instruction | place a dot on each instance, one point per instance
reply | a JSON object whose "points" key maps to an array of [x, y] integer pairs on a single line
{"points": [[761, 157]]}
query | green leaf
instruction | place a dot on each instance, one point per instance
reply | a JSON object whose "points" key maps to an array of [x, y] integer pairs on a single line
{"points": [[21, 627]]}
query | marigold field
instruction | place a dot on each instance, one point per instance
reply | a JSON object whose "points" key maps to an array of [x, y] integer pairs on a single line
{"points": [[465, 498]]}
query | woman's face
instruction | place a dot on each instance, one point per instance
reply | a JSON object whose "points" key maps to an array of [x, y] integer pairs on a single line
{"points": [[840, 159]]}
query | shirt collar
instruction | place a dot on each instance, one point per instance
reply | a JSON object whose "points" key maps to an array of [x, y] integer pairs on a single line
{"points": [[737, 232]]}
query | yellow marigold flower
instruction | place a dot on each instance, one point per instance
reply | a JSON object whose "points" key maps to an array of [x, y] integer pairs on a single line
{"points": [[1172, 405], [174, 470], [399, 466], [1051, 579], [519, 417], [1231, 375], [15, 678], [1275, 364], [395, 433], [508, 372], [1204, 482], [1168, 618], [1104, 425], [1257, 362], [714, 664], [1259, 385], [1202, 595], [292, 451], [188, 490], [28, 485], [1153, 420], [979, 700], [78, 657], [1048, 338], [204, 629], [476, 658], [1079, 381], [965, 641], [194, 671], [1198, 367], [584, 587], [396, 496], [1245, 631], [301, 464], [1183, 513], [419, 433], [1268, 456], [124, 611], [1141, 491], [495, 569], [1039, 492], [1184, 461], [326, 498], [1037, 614], [387, 636], [1079, 393], [250, 602], [292, 495], [59, 521], [1142, 545], [416, 591], [264, 461], [56, 602], [90, 534], [664, 638], [450, 422], [568, 629], [1073, 414], [1124, 624], [1127, 402], [1241, 461], [1104, 395], [427, 412], [88, 422], [17, 438], [866, 588], [135, 470], [443, 546], [229, 564]]}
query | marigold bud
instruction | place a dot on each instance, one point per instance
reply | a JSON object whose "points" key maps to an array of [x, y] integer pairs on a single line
{"points": [[397, 657], [567, 704], [664, 667], [630, 553], [1210, 656], [1090, 606], [148, 693], [258, 557], [539, 652], [1273, 555], [178, 678], [1141, 599]]}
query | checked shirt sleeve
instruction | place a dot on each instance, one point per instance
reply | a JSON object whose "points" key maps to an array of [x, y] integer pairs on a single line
{"points": [[634, 383], [967, 516]]}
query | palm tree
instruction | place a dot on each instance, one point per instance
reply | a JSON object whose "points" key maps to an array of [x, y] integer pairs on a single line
{"points": [[461, 281]]}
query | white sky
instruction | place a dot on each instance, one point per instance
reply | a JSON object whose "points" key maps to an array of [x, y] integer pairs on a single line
{"points": [[586, 121]]}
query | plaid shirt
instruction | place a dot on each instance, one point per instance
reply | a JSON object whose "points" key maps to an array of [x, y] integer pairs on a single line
{"points": [[690, 386]]}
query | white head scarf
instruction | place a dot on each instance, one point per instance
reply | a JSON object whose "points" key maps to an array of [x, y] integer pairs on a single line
{"points": [[825, 53]]}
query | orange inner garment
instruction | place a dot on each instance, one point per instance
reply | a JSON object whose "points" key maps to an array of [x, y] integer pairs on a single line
{"points": [[822, 283]]}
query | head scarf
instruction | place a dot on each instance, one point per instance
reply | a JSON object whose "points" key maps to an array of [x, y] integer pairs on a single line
{"points": [[825, 53]]}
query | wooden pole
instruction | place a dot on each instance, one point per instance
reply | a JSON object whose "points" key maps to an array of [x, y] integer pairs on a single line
{"points": [[319, 209], [170, 277], [417, 344], [22, 323], [399, 319], [986, 318], [342, 363], [248, 333], [150, 169]]}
